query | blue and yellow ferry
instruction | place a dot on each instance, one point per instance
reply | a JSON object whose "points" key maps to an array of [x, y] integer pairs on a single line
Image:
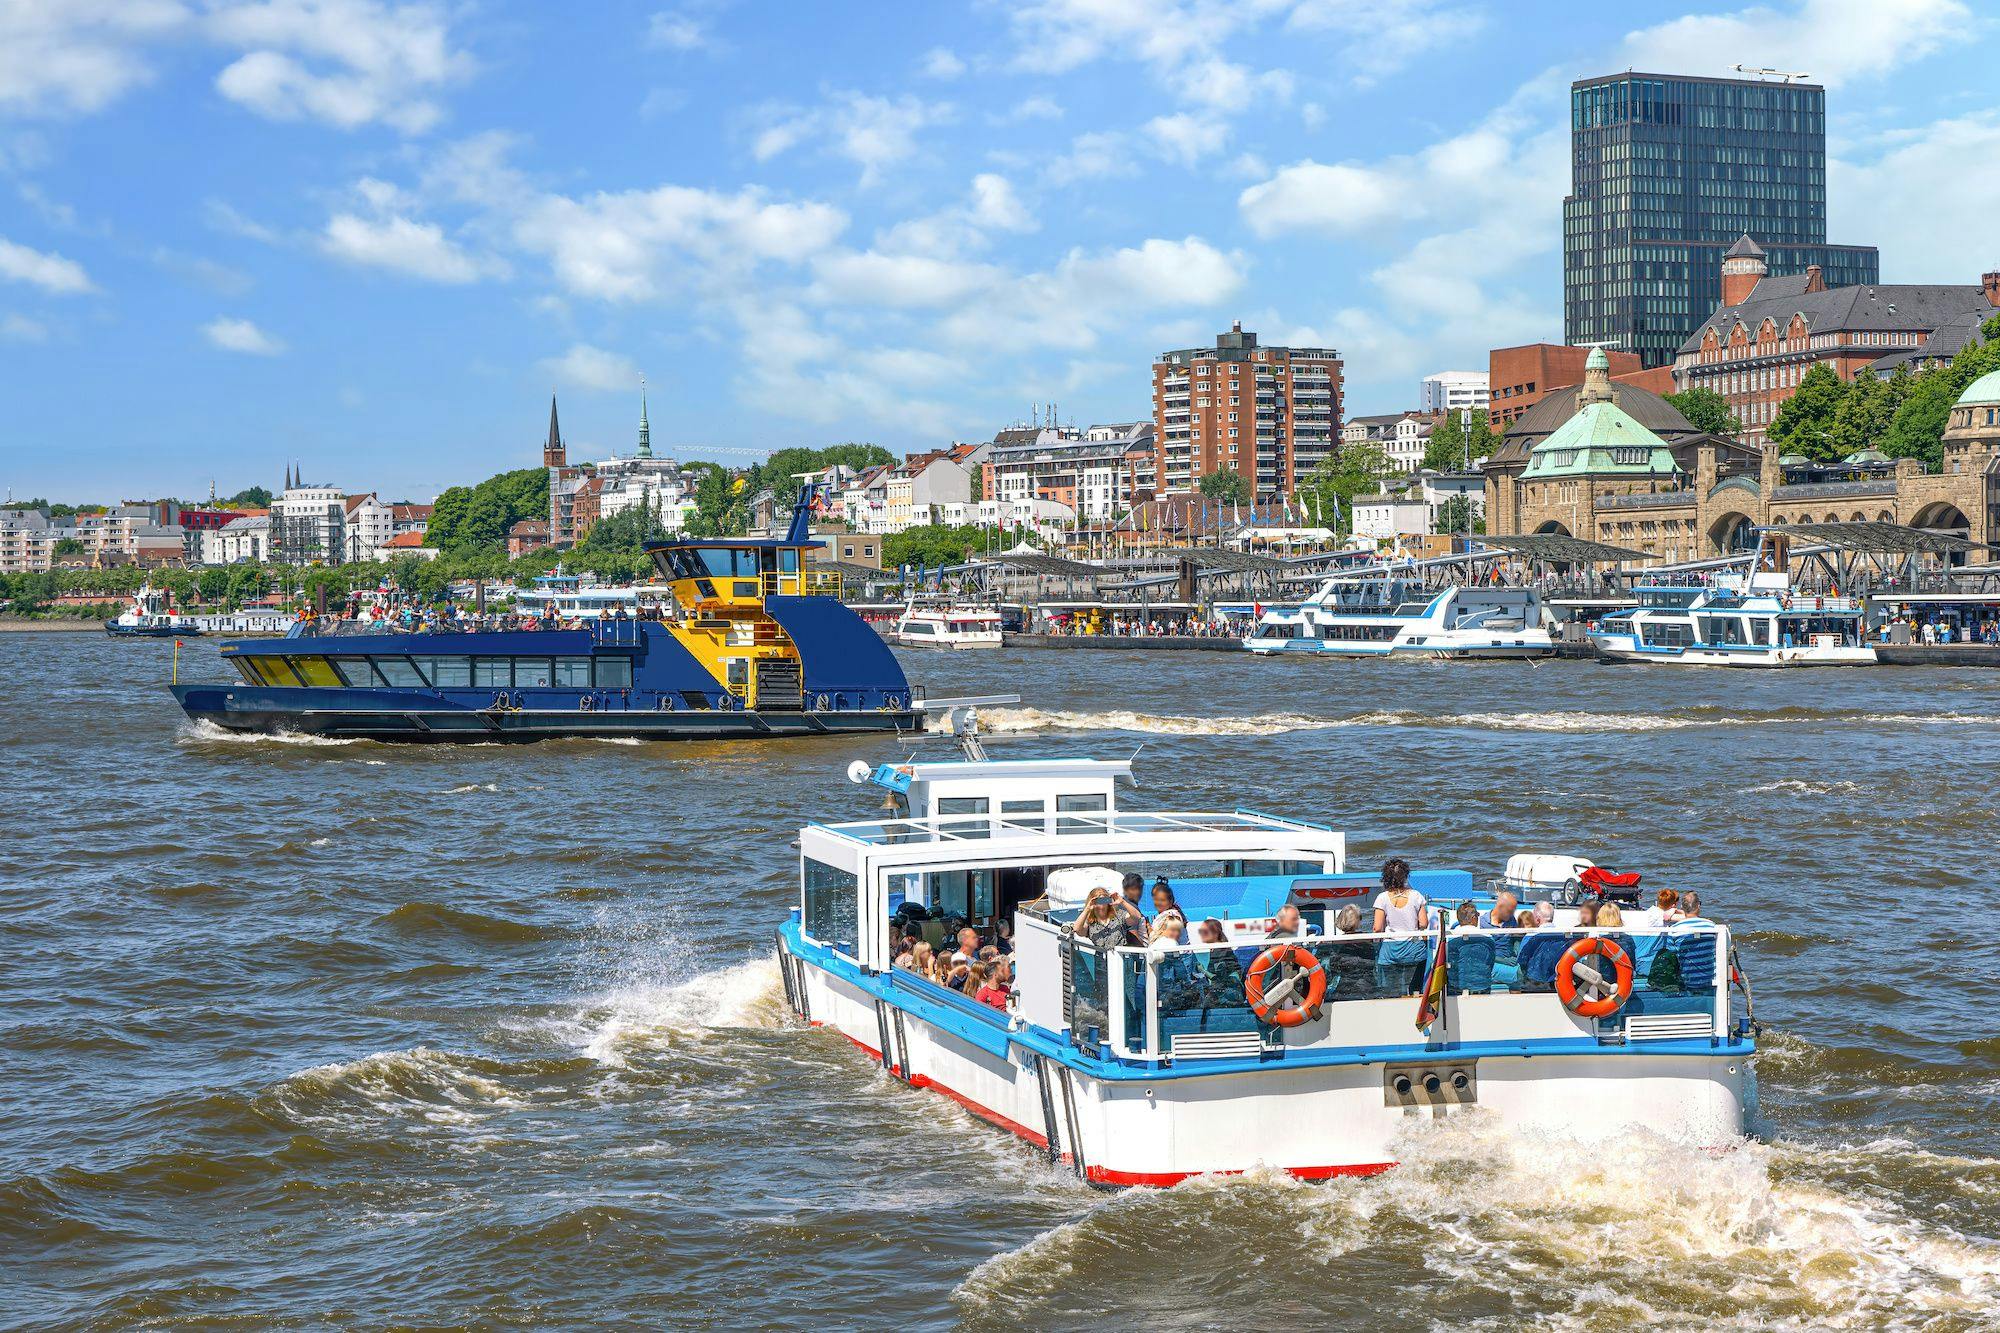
{"points": [[749, 644]]}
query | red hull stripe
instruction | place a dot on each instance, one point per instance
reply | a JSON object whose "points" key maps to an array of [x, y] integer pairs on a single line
{"points": [[1103, 1175]]}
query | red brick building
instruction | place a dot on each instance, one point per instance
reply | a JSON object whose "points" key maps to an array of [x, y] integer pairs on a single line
{"points": [[1520, 377], [1769, 331], [1270, 414]]}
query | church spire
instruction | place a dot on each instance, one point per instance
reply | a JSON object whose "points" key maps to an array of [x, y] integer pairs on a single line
{"points": [[553, 452], [645, 432]]}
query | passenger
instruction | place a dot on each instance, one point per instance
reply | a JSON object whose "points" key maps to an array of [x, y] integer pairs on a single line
{"points": [[1693, 941], [1168, 928], [1102, 922], [1003, 935], [1135, 920], [1164, 902], [955, 978], [1664, 911], [992, 988], [1611, 922], [1469, 954], [1586, 915], [968, 946], [917, 960], [1221, 970], [1502, 915], [1400, 908], [1543, 949]]}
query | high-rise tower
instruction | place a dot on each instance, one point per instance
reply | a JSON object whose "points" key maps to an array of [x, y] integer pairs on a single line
{"points": [[1666, 173]]}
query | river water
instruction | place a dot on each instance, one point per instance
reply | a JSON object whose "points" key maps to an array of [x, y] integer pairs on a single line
{"points": [[355, 1034]]}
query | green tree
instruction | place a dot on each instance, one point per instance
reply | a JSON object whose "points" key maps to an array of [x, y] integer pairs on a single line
{"points": [[1864, 414], [67, 546], [1706, 410], [1804, 424], [250, 497], [1456, 513], [213, 585], [624, 533], [1330, 488], [1225, 485], [467, 520], [1446, 449], [1917, 430], [931, 545]]}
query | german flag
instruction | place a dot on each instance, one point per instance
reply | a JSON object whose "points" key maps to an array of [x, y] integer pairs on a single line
{"points": [[1432, 1005]]}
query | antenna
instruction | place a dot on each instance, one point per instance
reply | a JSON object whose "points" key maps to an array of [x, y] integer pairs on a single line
{"points": [[1781, 75]]}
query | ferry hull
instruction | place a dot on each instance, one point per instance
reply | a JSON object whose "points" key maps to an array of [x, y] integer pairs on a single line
{"points": [[1161, 1125], [1623, 650], [1529, 647], [239, 709], [118, 631]]}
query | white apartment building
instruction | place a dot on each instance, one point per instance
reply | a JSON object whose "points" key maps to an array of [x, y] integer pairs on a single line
{"points": [[1384, 518], [1407, 441], [1093, 472], [239, 541], [1046, 518], [913, 493], [1452, 391], [28, 540]]}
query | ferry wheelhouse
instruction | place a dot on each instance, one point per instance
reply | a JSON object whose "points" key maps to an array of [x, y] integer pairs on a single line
{"points": [[1382, 615], [1145, 1066], [749, 644], [948, 625]]}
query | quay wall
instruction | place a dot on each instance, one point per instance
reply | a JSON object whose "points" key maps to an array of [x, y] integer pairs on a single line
{"points": [[1180, 641], [1938, 654]]}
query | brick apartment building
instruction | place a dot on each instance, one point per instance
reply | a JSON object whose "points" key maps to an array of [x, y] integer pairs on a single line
{"points": [[1271, 414], [1522, 376]]}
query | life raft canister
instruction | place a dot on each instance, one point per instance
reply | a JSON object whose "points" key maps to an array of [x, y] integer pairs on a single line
{"points": [[1299, 957], [1604, 1005]]}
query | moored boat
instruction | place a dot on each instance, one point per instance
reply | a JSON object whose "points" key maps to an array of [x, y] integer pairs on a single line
{"points": [[947, 625], [151, 616], [1310, 1052], [746, 646], [1384, 614]]}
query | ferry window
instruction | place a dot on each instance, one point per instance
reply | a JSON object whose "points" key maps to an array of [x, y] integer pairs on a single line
{"points": [[451, 672], [356, 671], [1022, 815], [831, 915], [573, 672], [614, 673], [743, 590], [531, 671], [253, 671], [493, 671], [964, 816], [963, 893], [1093, 803], [788, 560], [1760, 631], [738, 673], [400, 671], [727, 562]]}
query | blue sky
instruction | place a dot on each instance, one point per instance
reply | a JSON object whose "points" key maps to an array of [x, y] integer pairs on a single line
{"points": [[371, 236]]}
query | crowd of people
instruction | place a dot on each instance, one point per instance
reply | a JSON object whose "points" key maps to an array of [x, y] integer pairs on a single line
{"points": [[977, 966]]}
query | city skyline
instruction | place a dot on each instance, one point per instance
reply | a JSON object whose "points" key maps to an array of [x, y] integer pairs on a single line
{"points": [[373, 236]]}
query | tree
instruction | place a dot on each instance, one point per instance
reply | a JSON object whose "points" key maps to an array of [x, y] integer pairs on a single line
{"points": [[1330, 488], [1917, 430], [930, 546], [624, 533], [1446, 450], [250, 497], [1457, 515], [1804, 424], [67, 546], [1864, 414], [1225, 485], [470, 519], [1706, 410]]}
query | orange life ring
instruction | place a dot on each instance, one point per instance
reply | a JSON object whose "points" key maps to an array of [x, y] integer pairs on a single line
{"points": [[1300, 957], [1605, 1005]]}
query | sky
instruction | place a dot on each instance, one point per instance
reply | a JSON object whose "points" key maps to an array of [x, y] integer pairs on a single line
{"points": [[371, 237]]}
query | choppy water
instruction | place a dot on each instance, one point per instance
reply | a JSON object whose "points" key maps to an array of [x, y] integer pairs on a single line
{"points": [[363, 1035]]}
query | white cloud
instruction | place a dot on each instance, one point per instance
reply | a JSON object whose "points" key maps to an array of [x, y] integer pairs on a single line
{"points": [[1180, 41], [940, 63], [419, 249], [1036, 107], [20, 329], [995, 205], [1097, 155], [1069, 305], [873, 278], [77, 56], [587, 367], [240, 335], [1932, 212], [1327, 197], [629, 245], [678, 30], [1388, 35], [1834, 41], [1185, 139], [345, 62], [876, 133], [224, 217], [50, 272]]}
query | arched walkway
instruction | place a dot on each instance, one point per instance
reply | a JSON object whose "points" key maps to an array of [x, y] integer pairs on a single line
{"points": [[1732, 533]]}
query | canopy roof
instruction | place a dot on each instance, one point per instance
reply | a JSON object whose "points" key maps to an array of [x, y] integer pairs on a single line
{"points": [[1877, 538], [1556, 546], [1034, 562], [1208, 557]]}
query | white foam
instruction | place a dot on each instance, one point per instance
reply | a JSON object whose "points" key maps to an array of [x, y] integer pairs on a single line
{"points": [[203, 732], [425, 1083], [648, 1013], [1272, 724]]}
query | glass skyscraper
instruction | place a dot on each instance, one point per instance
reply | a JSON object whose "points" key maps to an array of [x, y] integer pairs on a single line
{"points": [[1665, 173]]}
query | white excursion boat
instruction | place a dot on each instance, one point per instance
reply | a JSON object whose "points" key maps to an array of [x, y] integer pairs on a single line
{"points": [[1383, 614], [1311, 1053], [948, 625], [151, 616], [1736, 620]]}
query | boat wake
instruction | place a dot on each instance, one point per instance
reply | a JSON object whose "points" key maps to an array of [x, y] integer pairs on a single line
{"points": [[423, 1083], [1273, 724], [1517, 1228], [194, 732]]}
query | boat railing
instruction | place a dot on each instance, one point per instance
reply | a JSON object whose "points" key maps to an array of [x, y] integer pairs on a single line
{"points": [[1173, 1001], [616, 632], [1067, 823]]}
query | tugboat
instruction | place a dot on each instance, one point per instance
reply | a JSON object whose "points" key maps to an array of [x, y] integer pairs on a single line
{"points": [[746, 646], [1279, 1040], [151, 616]]}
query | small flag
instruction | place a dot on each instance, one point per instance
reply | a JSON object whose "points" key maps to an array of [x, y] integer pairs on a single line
{"points": [[1432, 1005]]}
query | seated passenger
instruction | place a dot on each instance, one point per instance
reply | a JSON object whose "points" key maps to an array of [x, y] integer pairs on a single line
{"points": [[1469, 955], [968, 946], [1003, 935], [1502, 915], [1219, 972], [917, 960], [1165, 902], [993, 987], [1692, 939], [1586, 915], [1611, 922], [973, 981], [954, 978], [1168, 928], [1543, 949], [1664, 911]]}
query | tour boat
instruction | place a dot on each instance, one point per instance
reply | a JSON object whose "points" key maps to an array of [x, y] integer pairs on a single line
{"points": [[1308, 1054], [746, 646], [1735, 620], [948, 625], [151, 616], [1382, 614]]}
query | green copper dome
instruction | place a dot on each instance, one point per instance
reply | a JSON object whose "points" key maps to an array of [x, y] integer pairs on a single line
{"points": [[1868, 456], [1984, 390], [1602, 439]]}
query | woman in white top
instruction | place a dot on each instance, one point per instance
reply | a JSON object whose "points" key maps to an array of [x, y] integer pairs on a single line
{"points": [[1398, 906]]}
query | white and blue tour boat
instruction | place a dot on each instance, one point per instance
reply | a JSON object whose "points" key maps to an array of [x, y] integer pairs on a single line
{"points": [[1735, 620], [1308, 1053], [1385, 614]]}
